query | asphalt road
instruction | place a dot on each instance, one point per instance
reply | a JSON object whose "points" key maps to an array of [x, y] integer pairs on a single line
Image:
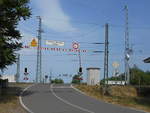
{"points": [[64, 99]]}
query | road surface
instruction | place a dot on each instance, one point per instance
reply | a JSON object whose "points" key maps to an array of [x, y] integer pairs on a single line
{"points": [[64, 99]]}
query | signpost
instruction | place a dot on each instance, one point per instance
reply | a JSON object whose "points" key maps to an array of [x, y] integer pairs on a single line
{"points": [[76, 47]]}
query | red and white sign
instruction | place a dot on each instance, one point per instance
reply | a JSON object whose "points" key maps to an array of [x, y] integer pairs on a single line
{"points": [[75, 45], [26, 78], [75, 49], [25, 73]]}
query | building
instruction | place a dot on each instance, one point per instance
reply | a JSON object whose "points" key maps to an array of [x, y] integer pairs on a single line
{"points": [[147, 60], [93, 76], [11, 78]]}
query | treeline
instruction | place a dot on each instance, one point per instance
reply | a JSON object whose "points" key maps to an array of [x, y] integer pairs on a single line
{"points": [[137, 76], [77, 79], [57, 81]]}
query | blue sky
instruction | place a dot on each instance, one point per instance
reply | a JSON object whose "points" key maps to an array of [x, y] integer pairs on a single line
{"points": [[83, 21]]}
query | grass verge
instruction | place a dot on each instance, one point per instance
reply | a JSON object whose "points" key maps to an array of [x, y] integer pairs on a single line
{"points": [[9, 99], [121, 95]]}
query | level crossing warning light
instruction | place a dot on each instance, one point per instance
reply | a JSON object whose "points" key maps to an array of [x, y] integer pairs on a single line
{"points": [[25, 70], [80, 69]]}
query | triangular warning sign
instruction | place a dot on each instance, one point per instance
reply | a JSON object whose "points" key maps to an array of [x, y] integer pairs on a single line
{"points": [[34, 43]]}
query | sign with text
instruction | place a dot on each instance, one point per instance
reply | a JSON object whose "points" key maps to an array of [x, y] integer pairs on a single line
{"points": [[55, 43]]}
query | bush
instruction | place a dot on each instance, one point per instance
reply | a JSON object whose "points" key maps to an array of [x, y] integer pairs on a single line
{"points": [[76, 79], [57, 81]]}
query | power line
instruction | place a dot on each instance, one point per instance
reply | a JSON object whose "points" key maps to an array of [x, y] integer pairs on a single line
{"points": [[80, 42], [131, 27], [75, 21], [78, 36]]}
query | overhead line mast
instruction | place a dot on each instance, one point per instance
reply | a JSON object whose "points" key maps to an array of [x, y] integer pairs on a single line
{"points": [[106, 54], [127, 49], [39, 53]]}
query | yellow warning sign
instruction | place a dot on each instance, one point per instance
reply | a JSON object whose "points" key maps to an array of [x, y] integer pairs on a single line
{"points": [[34, 43]]}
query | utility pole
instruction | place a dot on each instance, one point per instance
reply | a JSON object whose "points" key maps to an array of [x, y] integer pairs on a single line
{"points": [[80, 66], [106, 54], [79, 58], [39, 54], [50, 77], [18, 68], [127, 49]]}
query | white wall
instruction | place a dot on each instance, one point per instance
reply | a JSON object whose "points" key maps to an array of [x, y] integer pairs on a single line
{"points": [[11, 78], [93, 76]]}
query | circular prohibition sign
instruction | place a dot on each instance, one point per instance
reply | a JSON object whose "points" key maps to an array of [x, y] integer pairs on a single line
{"points": [[75, 45]]}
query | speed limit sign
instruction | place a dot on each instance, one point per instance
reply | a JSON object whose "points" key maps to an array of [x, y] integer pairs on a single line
{"points": [[75, 45]]}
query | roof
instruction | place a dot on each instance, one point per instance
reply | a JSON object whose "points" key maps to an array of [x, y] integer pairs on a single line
{"points": [[147, 60], [92, 68]]}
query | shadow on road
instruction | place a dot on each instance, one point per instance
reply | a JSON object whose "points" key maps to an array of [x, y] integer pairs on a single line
{"points": [[28, 93]]}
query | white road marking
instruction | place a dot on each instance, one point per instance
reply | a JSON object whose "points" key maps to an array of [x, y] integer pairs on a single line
{"points": [[63, 87], [21, 102], [78, 90], [66, 102]]}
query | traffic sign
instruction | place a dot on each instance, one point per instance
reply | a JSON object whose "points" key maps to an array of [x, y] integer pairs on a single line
{"points": [[33, 43], [26, 78], [26, 73], [75, 45], [55, 43]]}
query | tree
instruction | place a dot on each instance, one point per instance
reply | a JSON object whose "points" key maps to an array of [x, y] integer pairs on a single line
{"points": [[57, 81], [138, 76], [11, 12], [76, 79]]}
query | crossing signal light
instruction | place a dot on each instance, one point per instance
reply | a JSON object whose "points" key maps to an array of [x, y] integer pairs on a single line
{"points": [[80, 69], [25, 70]]}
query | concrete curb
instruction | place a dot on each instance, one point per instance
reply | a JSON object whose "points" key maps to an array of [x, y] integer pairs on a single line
{"points": [[21, 101], [107, 102]]}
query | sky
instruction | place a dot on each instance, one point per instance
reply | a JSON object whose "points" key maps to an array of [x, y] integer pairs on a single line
{"points": [[83, 21]]}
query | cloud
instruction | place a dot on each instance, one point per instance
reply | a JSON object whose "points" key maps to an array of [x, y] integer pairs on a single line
{"points": [[53, 15]]}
